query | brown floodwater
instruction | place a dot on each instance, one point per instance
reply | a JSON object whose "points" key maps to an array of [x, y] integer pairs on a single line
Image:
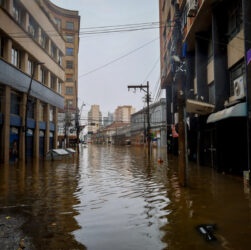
{"points": [[118, 198]]}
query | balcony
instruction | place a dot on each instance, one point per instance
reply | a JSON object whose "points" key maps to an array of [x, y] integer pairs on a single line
{"points": [[11, 76]]}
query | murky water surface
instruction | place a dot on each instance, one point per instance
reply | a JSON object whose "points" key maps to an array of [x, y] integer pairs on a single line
{"points": [[116, 198]]}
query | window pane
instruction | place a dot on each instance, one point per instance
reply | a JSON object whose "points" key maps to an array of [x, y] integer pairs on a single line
{"points": [[69, 38], [69, 64], [70, 25], [69, 51], [69, 91]]}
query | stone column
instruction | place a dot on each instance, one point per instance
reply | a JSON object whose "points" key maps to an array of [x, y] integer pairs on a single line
{"points": [[9, 6], [47, 131], [56, 84], [5, 143], [37, 72], [36, 131], [7, 50], [24, 62], [22, 132], [38, 35], [48, 78], [55, 121], [49, 47]]}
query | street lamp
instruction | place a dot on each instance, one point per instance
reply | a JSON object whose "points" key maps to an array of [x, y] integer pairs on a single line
{"points": [[27, 107]]}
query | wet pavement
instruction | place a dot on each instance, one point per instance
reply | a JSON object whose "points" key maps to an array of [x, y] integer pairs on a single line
{"points": [[117, 198]]}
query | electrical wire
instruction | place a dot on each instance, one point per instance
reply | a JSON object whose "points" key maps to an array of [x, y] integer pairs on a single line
{"points": [[117, 59]]}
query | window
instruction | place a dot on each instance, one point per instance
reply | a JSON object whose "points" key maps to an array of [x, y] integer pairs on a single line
{"points": [[53, 82], [16, 12], [69, 64], [69, 91], [60, 59], [30, 67], [58, 22], [69, 51], [15, 60], [69, 103], [42, 76], [32, 27], [15, 104], [44, 40], [53, 50], [69, 25], [69, 38], [235, 19], [60, 88]]}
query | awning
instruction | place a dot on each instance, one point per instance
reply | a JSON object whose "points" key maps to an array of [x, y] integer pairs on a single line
{"points": [[198, 107], [239, 110]]}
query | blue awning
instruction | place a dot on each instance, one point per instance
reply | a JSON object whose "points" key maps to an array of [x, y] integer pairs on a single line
{"points": [[238, 110]]}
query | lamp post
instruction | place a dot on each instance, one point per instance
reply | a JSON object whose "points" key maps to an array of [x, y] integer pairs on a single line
{"points": [[27, 107]]}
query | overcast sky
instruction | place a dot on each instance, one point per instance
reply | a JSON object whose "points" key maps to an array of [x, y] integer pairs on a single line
{"points": [[107, 87]]}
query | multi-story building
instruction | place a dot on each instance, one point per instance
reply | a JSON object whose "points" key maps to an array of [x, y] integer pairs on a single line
{"points": [[94, 119], [123, 113], [157, 113], [216, 35], [68, 23], [31, 51], [108, 120]]}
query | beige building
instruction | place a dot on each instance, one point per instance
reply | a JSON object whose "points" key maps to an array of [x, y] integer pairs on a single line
{"points": [[68, 23], [123, 113], [94, 119], [30, 47], [216, 52]]}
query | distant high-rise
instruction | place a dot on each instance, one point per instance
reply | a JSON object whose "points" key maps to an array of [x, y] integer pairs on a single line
{"points": [[94, 119], [123, 113], [108, 120]]}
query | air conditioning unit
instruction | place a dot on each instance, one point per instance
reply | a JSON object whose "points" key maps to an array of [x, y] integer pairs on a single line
{"points": [[239, 90], [192, 8]]}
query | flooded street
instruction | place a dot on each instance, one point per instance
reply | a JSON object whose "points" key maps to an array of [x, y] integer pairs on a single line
{"points": [[116, 198]]}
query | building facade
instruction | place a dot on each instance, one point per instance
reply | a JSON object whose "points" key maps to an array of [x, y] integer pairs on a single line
{"points": [[214, 35], [94, 119], [68, 24], [123, 113], [157, 125], [31, 51]]}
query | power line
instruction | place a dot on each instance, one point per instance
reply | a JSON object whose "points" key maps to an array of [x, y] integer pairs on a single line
{"points": [[119, 58]]}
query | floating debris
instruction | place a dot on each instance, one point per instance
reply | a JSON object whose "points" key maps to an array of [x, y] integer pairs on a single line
{"points": [[207, 231]]}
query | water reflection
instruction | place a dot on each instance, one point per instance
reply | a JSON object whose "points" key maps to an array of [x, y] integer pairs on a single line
{"points": [[118, 198], [43, 194]]}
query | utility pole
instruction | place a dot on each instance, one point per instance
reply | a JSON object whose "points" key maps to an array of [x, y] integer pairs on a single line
{"points": [[145, 88], [179, 79]]}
